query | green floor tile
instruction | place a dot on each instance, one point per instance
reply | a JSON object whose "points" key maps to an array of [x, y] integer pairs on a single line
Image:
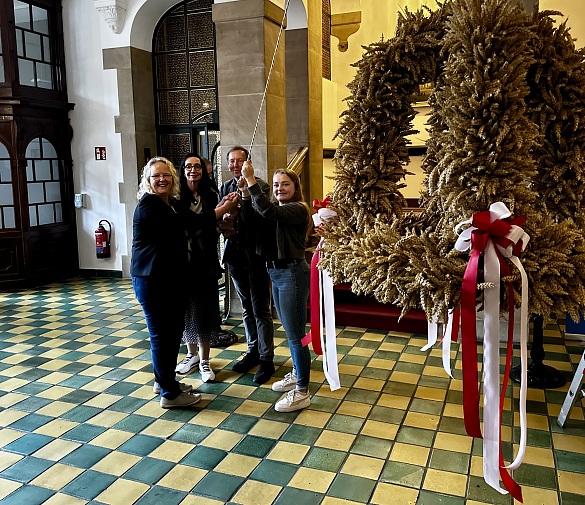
{"points": [[297, 434], [89, 484], [402, 474], [293, 496], [276, 473], [203, 457], [28, 443], [31, 495], [350, 487], [141, 445], [26, 469], [371, 446], [218, 486], [328, 460], [345, 424], [430, 498], [149, 470], [450, 461], [253, 446], [238, 423]]}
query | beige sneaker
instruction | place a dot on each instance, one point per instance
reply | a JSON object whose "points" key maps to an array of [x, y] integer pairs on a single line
{"points": [[293, 400], [183, 400], [286, 384], [184, 387]]}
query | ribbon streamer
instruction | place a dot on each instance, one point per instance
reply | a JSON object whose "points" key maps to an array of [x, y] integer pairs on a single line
{"points": [[323, 307], [496, 240]]}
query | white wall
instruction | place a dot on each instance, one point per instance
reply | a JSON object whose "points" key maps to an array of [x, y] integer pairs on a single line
{"points": [[93, 91]]}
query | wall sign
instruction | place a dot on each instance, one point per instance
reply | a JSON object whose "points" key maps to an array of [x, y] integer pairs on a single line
{"points": [[100, 153]]}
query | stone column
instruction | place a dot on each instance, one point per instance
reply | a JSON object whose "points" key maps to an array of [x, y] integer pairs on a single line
{"points": [[246, 32]]}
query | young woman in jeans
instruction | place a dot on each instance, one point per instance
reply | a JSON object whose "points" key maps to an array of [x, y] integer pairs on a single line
{"points": [[286, 223]]}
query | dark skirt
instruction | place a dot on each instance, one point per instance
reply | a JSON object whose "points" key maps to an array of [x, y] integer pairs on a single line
{"points": [[202, 318]]}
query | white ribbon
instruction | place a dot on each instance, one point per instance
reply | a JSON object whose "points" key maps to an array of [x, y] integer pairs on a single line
{"points": [[327, 312], [491, 343]]}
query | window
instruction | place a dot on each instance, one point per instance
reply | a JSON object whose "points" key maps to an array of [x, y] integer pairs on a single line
{"points": [[43, 182], [7, 219], [2, 78], [36, 63]]}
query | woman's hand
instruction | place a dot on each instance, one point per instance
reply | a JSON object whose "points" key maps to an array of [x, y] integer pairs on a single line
{"points": [[248, 173], [229, 203]]}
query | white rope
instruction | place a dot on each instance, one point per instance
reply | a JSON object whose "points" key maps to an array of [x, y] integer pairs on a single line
{"points": [[268, 79]]}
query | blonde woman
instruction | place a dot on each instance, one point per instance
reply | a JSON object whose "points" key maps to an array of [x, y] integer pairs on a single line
{"points": [[159, 260]]}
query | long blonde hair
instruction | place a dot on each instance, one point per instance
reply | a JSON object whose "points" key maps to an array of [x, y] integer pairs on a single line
{"points": [[146, 187]]}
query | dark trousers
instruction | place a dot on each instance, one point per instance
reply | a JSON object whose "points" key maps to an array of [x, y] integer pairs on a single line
{"points": [[165, 318], [253, 288]]}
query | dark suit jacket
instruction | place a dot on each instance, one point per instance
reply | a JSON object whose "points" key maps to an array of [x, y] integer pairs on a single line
{"points": [[159, 241], [246, 245]]}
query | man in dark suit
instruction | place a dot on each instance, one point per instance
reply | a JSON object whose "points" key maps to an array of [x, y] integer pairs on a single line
{"points": [[247, 267]]}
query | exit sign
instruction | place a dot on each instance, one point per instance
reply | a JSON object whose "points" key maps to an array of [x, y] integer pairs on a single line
{"points": [[100, 153]]}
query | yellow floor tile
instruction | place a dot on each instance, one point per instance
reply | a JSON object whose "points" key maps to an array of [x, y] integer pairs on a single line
{"points": [[452, 442], [8, 459], [173, 451], [116, 463], [420, 420], [237, 464], [239, 391], [354, 409], [538, 496], [122, 491], [7, 417], [56, 449], [222, 439], [8, 486], [57, 476], [363, 466], [64, 499], [288, 452], [335, 440], [430, 393], [210, 418], [255, 493], [389, 494], [111, 439], [393, 401], [369, 384], [253, 408], [380, 429], [538, 456], [408, 378], [310, 418], [407, 453], [312, 480], [108, 418], [445, 482], [570, 482], [182, 477], [269, 429]]}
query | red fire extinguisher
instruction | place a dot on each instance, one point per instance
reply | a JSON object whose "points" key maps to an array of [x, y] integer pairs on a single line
{"points": [[102, 240]]}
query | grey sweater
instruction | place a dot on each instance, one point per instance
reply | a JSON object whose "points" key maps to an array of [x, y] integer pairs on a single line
{"points": [[291, 219]]}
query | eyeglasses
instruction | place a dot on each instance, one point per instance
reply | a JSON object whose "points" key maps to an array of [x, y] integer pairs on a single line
{"points": [[161, 176], [193, 167]]}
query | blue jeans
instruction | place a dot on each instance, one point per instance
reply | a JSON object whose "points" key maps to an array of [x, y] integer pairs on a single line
{"points": [[253, 288], [164, 312], [290, 290]]}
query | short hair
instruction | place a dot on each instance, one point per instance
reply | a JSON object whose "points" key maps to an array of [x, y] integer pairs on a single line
{"points": [[146, 187], [237, 148]]}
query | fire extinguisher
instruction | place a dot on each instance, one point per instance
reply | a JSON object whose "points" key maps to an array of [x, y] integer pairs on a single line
{"points": [[102, 240]]}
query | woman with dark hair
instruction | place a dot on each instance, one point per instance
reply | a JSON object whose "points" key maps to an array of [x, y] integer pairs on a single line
{"points": [[287, 223], [198, 199]]}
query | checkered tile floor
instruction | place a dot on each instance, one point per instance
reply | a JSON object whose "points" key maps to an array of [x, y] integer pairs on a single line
{"points": [[79, 422]]}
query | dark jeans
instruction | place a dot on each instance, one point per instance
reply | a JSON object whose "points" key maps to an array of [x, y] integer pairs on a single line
{"points": [[165, 317], [290, 290], [253, 288]]}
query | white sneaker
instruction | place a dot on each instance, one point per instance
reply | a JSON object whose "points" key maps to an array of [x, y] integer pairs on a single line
{"points": [[293, 400], [183, 400], [207, 374], [288, 383], [190, 362], [184, 387]]}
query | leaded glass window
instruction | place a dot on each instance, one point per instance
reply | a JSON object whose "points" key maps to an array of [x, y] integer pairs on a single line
{"points": [[184, 62], [2, 78], [7, 215], [36, 62], [43, 183]]}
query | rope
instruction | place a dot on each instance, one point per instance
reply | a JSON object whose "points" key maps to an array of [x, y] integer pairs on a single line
{"points": [[268, 79]]}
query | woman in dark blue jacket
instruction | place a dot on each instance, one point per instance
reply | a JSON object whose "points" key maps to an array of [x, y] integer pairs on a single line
{"points": [[159, 259]]}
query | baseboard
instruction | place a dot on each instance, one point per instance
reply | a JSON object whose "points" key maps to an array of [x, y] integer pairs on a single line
{"points": [[90, 272]]}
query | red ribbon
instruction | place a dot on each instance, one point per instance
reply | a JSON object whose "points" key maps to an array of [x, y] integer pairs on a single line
{"points": [[314, 334], [497, 231]]}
